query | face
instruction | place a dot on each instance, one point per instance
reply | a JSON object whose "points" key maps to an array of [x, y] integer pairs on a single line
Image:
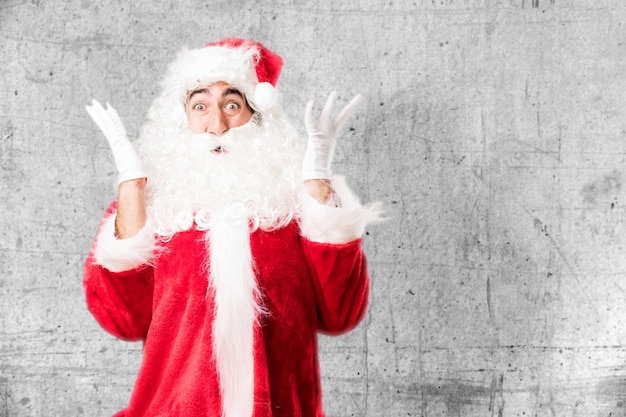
{"points": [[217, 108]]}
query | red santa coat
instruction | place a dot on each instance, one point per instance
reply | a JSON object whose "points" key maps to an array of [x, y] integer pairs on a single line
{"points": [[306, 286]]}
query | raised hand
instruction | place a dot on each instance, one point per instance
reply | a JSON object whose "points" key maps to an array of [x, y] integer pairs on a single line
{"points": [[128, 163], [323, 134]]}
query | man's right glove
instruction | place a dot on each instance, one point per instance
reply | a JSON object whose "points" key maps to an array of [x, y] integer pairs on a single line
{"points": [[128, 163]]}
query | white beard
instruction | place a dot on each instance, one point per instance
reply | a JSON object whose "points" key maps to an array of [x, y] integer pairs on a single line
{"points": [[253, 184], [187, 182]]}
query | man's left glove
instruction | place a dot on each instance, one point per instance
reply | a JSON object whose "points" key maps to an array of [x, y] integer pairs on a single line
{"points": [[323, 136], [128, 163]]}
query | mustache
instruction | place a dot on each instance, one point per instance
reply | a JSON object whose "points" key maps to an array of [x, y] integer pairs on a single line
{"points": [[235, 140]]}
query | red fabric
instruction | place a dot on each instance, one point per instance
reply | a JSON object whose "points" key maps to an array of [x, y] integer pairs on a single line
{"points": [[307, 287]]}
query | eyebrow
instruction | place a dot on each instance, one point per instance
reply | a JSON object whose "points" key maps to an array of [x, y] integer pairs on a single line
{"points": [[194, 92], [232, 90], [228, 91]]}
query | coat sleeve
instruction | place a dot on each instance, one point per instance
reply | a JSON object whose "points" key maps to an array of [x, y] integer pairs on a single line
{"points": [[118, 281], [340, 283], [331, 240]]}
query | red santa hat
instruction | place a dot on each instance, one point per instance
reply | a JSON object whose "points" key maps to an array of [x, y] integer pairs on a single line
{"points": [[244, 64], [267, 66]]}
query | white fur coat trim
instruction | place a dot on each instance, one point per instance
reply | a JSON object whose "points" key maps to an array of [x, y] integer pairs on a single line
{"points": [[119, 255], [336, 225], [235, 292]]}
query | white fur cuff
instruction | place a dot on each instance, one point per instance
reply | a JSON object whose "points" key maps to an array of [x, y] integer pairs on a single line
{"points": [[119, 255], [324, 224]]}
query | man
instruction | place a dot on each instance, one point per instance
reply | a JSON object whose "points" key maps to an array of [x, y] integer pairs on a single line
{"points": [[228, 247]]}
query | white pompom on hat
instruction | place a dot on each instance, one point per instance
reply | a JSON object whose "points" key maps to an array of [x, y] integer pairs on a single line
{"points": [[244, 64]]}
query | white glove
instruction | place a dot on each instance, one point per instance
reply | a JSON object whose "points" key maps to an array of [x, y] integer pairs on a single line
{"points": [[323, 137], [128, 163]]}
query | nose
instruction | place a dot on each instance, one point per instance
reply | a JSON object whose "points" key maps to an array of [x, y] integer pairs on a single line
{"points": [[216, 123]]}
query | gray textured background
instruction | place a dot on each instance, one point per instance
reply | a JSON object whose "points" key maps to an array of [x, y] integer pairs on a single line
{"points": [[492, 130]]}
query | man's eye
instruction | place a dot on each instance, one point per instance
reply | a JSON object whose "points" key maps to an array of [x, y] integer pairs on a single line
{"points": [[199, 106], [232, 106]]}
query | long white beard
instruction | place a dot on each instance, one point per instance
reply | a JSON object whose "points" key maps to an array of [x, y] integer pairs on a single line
{"points": [[253, 184]]}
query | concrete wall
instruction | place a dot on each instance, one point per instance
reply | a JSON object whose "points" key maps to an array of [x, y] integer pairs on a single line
{"points": [[493, 131]]}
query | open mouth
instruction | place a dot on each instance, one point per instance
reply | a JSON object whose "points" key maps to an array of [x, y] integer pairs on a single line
{"points": [[219, 151]]}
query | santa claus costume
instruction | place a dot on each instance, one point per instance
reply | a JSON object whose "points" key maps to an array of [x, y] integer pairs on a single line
{"points": [[237, 268]]}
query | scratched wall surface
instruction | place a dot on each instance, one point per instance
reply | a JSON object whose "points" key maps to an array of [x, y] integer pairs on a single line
{"points": [[493, 131]]}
